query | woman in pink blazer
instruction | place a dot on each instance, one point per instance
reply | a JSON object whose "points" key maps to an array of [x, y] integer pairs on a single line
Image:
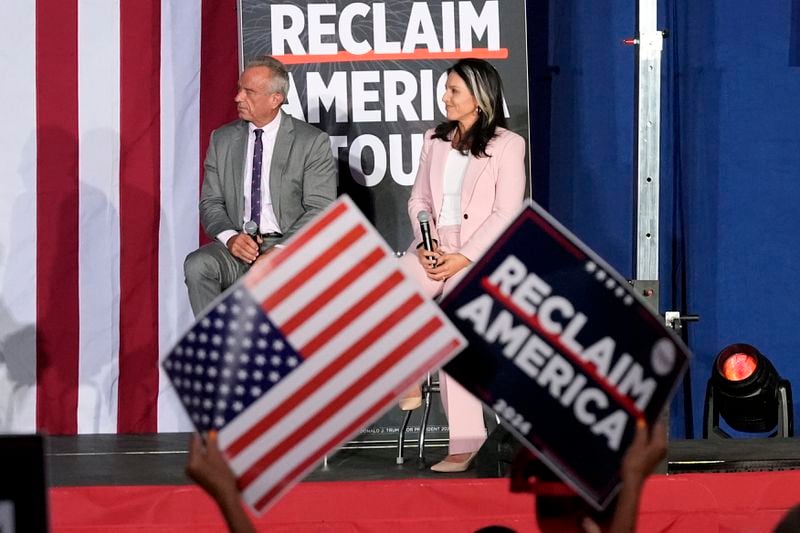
{"points": [[471, 180]]}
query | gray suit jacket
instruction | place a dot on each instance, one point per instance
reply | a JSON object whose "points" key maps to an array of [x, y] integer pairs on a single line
{"points": [[302, 176]]}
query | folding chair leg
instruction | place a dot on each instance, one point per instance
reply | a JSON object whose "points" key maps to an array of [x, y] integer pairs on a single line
{"points": [[401, 438], [423, 426]]}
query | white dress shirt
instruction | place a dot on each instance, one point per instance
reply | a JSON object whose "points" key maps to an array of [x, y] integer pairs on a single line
{"points": [[454, 170], [269, 222]]}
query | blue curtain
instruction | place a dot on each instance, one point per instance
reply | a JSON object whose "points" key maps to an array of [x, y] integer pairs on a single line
{"points": [[730, 228]]}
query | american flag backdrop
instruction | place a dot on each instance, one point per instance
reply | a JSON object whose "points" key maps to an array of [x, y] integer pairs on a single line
{"points": [[306, 349], [106, 108]]}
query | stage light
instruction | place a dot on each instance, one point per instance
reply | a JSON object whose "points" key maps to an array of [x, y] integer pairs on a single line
{"points": [[747, 392], [738, 366]]}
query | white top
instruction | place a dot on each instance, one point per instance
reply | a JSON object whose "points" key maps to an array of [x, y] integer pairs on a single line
{"points": [[269, 222], [454, 170]]}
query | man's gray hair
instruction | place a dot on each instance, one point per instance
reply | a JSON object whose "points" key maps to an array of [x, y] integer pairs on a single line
{"points": [[280, 76]]}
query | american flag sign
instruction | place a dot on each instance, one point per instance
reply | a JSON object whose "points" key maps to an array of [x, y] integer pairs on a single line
{"points": [[309, 347]]}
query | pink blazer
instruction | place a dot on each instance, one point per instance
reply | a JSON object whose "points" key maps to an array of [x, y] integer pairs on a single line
{"points": [[492, 191]]}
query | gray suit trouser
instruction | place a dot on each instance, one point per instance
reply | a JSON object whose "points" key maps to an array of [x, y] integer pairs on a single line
{"points": [[210, 270]]}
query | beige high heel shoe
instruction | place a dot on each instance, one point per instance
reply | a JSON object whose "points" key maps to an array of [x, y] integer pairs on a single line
{"points": [[411, 399], [459, 462]]}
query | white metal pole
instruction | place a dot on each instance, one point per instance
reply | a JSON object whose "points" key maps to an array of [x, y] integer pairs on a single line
{"points": [[648, 120]]}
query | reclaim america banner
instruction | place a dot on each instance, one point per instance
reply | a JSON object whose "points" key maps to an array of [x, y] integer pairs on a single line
{"points": [[563, 350], [372, 75]]}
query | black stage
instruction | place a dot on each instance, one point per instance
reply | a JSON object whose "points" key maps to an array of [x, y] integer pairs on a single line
{"points": [[159, 459]]}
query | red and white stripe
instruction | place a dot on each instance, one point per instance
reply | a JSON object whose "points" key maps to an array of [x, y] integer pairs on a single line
{"points": [[365, 333], [106, 110]]}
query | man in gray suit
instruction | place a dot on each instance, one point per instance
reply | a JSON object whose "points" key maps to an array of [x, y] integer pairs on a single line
{"points": [[267, 168]]}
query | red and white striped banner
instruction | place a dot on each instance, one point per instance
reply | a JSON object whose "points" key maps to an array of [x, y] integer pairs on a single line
{"points": [[106, 109]]}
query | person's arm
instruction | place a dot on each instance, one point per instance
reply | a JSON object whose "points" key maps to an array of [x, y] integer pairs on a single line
{"points": [[421, 198], [213, 213], [319, 181], [207, 467], [647, 450]]}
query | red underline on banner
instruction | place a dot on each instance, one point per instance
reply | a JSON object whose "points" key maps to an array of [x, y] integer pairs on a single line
{"points": [[624, 402], [417, 55]]}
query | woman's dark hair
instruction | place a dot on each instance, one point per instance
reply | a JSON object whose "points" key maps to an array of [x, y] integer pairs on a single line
{"points": [[484, 83]]}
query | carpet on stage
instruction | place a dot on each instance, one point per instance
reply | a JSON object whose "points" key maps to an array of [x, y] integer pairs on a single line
{"points": [[748, 501]]}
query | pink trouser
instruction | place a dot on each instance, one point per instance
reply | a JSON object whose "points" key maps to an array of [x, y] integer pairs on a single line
{"points": [[464, 412]]}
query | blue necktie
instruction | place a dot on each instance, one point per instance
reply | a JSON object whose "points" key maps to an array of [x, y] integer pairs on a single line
{"points": [[255, 187]]}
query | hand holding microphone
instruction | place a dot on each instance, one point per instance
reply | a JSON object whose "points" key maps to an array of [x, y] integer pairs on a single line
{"points": [[245, 245], [427, 242], [438, 266], [251, 228]]}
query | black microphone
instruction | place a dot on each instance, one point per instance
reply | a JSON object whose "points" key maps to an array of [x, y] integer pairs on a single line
{"points": [[425, 228], [251, 228]]}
